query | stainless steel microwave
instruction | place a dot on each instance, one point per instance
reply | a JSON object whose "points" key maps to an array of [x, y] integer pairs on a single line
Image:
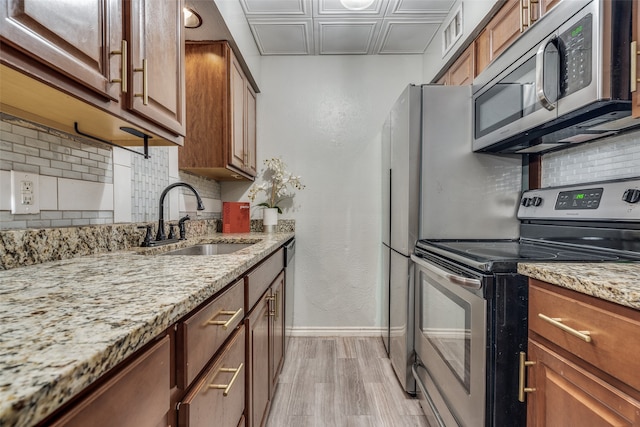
{"points": [[566, 80]]}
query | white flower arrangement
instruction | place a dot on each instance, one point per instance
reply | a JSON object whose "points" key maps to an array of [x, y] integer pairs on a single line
{"points": [[278, 184]]}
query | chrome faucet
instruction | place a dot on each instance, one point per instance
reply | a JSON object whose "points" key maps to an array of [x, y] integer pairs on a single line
{"points": [[160, 234]]}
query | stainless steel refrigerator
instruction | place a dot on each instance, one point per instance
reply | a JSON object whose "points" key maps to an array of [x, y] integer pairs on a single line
{"points": [[432, 181]]}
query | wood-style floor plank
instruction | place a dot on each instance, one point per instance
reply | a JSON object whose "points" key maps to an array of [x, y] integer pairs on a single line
{"points": [[341, 382]]}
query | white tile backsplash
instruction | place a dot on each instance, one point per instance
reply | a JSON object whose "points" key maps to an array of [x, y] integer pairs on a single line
{"points": [[84, 195], [612, 158], [122, 197], [48, 193]]}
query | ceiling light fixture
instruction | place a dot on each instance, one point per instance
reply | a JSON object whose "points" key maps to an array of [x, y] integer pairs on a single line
{"points": [[356, 4], [191, 18]]}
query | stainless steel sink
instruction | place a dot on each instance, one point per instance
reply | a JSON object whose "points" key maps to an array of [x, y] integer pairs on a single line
{"points": [[210, 249]]}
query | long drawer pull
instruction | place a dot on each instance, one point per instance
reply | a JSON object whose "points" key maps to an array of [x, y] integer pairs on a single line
{"points": [[583, 335], [225, 324], [227, 387]]}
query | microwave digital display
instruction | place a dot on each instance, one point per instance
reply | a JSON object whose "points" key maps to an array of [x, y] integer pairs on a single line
{"points": [[576, 46]]}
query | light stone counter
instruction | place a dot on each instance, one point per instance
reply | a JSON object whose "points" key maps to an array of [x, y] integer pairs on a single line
{"points": [[66, 323], [615, 282]]}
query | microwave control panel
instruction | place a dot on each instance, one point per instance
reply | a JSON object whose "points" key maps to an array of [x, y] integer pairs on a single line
{"points": [[576, 47]]}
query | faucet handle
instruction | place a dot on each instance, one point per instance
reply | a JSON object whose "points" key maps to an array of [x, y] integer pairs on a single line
{"points": [[147, 237], [181, 227]]}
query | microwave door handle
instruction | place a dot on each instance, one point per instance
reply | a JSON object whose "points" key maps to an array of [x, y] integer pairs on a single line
{"points": [[451, 278], [540, 66]]}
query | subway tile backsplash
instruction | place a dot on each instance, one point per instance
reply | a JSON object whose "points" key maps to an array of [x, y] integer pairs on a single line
{"points": [[612, 158], [78, 186]]}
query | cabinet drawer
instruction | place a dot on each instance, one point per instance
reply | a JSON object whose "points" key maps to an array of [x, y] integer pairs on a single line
{"points": [[611, 329], [206, 404], [204, 332], [259, 279], [137, 396]]}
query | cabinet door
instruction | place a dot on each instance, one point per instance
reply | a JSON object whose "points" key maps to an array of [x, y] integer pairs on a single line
{"points": [[237, 110], [250, 129], [157, 62], [546, 5], [259, 359], [462, 71], [73, 37], [568, 395], [277, 330], [137, 396], [499, 33]]}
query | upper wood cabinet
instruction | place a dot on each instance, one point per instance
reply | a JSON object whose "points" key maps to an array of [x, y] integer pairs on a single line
{"points": [[122, 57], [156, 35], [69, 39], [221, 114], [499, 33], [513, 18], [462, 71]]}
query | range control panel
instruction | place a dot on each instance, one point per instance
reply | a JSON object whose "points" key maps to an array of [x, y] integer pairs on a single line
{"points": [[611, 200], [579, 199]]}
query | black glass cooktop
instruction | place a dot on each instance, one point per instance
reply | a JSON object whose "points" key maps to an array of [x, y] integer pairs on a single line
{"points": [[503, 255]]}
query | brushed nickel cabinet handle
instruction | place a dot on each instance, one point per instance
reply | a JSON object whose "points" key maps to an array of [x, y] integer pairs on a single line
{"points": [[145, 82], [533, 19], [123, 65], [523, 24], [227, 387], [225, 324], [557, 322], [521, 376]]}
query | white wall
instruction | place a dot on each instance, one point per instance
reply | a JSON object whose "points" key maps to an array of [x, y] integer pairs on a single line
{"points": [[323, 115]]}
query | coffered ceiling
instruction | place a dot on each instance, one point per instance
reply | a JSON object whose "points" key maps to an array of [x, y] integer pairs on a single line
{"points": [[326, 27]]}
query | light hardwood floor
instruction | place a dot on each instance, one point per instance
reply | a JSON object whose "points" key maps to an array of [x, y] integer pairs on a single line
{"points": [[341, 382]]}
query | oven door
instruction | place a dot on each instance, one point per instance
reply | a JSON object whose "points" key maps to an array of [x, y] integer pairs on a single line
{"points": [[450, 340]]}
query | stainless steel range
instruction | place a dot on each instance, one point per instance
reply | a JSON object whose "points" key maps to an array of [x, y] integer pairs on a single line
{"points": [[471, 305]]}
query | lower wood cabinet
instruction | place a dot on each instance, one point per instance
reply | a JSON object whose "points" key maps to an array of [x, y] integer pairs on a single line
{"points": [[137, 396], [218, 397], [568, 395], [277, 331], [258, 399], [582, 363], [265, 350]]}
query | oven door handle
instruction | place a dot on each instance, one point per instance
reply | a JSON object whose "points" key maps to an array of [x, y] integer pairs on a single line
{"points": [[452, 278]]}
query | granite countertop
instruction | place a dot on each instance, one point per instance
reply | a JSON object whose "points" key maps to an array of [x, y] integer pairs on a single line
{"points": [[615, 282], [65, 323]]}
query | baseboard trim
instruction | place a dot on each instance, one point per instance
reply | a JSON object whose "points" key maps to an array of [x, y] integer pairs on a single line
{"points": [[336, 332]]}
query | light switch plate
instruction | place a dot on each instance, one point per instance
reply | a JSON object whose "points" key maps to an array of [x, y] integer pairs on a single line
{"points": [[25, 195]]}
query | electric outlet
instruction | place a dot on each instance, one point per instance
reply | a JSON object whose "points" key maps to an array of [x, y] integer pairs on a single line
{"points": [[24, 193]]}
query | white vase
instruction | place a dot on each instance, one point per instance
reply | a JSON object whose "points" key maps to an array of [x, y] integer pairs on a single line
{"points": [[269, 219]]}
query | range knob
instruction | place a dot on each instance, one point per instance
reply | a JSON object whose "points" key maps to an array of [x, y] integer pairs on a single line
{"points": [[537, 201], [632, 195], [526, 202]]}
